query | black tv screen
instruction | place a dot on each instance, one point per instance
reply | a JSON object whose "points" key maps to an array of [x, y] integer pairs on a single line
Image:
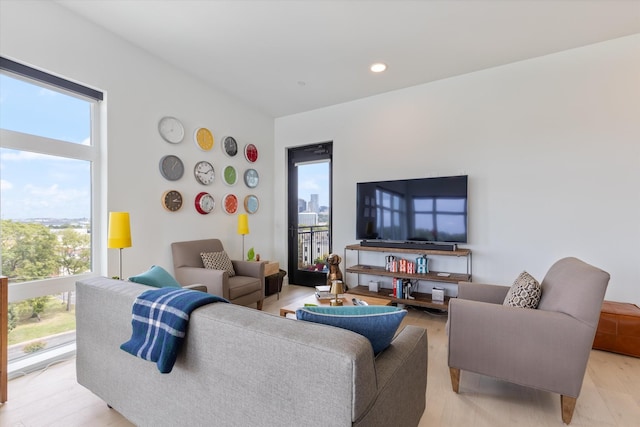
{"points": [[422, 209]]}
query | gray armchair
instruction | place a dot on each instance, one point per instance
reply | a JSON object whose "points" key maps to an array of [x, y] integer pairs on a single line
{"points": [[546, 348], [245, 288]]}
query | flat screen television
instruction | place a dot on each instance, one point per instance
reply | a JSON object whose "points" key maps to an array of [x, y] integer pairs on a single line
{"points": [[422, 210]]}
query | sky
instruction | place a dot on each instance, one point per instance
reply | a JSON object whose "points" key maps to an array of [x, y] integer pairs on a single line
{"points": [[34, 185], [313, 178]]}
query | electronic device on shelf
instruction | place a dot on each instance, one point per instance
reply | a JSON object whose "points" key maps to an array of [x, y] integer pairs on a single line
{"points": [[421, 213]]}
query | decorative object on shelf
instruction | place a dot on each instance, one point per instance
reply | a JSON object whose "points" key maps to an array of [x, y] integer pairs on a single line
{"points": [[334, 268], [251, 153], [422, 263], [373, 286], [251, 254], [172, 200], [229, 175], [119, 236], [229, 146], [251, 204], [230, 204], [336, 289], [243, 228], [203, 139], [204, 203], [171, 167], [251, 178], [204, 172], [171, 129]]}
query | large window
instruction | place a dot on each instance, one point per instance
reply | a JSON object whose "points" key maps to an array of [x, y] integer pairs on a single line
{"points": [[49, 157]]}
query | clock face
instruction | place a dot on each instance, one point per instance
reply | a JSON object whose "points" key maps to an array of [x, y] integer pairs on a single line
{"points": [[204, 139], [230, 175], [204, 172], [171, 129], [251, 153], [204, 203], [251, 178], [251, 204], [171, 167], [229, 146], [230, 204], [172, 200]]}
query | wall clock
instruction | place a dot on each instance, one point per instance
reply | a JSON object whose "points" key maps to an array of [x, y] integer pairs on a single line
{"points": [[230, 176], [171, 167], [251, 178], [251, 204], [229, 146], [204, 203], [204, 172], [251, 153], [203, 139], [230, 204], [172, 200], [171, 129]]}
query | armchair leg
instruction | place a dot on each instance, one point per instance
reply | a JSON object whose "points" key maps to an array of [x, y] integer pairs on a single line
{"points": [[568, 405], [260, 304], [455, 378]]}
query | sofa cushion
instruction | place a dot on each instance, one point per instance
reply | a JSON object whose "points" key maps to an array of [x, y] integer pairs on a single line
{"points": [[525, 292], [218, 261], [157, 277], [377, 323]]}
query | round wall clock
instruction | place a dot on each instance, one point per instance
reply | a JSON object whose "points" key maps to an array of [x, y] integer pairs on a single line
{"points": [[171, 129], [251, 153], [204, 203], [251, 204], [172, 200], [230, 204], [204, 172], [171, 167], [251, 178], [203, 138], [230, 175], [229, 146]]}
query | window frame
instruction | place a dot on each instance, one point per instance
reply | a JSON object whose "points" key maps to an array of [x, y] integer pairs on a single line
{"points": [[93, 153]]}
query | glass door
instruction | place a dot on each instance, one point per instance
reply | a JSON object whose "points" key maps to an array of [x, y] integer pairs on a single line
{"points": [[309, 213]]}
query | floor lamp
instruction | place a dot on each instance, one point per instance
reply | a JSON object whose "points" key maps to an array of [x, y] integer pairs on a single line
{"points": [[243, 228], [119, 234]]}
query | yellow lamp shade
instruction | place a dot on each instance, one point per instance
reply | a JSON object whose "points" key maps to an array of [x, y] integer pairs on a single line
{"points": [[119, 230], [243, 224]]}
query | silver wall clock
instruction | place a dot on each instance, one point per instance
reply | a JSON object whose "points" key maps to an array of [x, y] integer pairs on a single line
{"points": [[251, 178], [204, 172], [171, 129], [171, 167]]}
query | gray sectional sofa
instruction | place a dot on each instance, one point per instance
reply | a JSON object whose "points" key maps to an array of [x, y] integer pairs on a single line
{"points": [[243, 367]]}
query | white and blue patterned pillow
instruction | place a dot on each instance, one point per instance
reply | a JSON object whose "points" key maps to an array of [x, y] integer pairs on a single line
{"points": [[378, 323], [525, 292]]}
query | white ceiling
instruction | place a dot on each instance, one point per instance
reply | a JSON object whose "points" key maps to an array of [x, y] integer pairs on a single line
{"points": [[286, 57]]}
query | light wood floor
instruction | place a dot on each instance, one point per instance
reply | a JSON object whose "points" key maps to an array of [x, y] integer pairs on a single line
{"points": [[610, 393]]}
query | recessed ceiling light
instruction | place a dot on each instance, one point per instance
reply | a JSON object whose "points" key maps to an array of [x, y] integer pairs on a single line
{"points": [[378, 67]]}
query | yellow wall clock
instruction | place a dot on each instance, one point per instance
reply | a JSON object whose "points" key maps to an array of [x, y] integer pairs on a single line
{"points": [[203, 139]]}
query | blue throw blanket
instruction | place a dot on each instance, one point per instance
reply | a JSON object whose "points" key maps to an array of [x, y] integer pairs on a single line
{"points": [[160, 319]]}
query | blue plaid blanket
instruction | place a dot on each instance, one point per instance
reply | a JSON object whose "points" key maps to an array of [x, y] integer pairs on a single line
{"points": [[159, 319]]}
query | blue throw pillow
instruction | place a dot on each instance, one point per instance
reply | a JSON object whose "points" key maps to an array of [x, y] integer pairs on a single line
{"points": [[378, 323], [156, 276]]}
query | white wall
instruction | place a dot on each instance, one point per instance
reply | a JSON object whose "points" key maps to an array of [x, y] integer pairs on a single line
{"points": [[139, 90], [551, 146]]}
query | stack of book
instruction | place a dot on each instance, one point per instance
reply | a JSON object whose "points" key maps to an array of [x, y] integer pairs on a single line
{"points": [[323, 293]]}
